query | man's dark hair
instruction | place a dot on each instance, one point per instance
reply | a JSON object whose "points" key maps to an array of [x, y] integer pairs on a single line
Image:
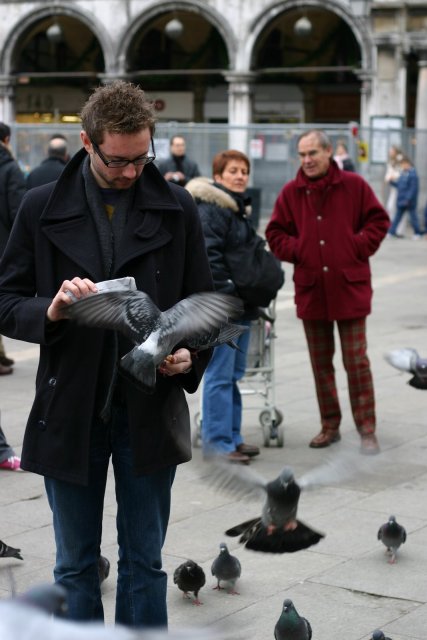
{"points": [[120, 107], [4, 131]]}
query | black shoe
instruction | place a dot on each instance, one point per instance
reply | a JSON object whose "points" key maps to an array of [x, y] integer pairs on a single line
{"points": [[248, 449], [7, 362]]}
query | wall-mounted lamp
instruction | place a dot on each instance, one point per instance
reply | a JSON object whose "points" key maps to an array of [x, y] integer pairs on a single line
{"points": [[174, 29], [54, 33], [303, 26]]}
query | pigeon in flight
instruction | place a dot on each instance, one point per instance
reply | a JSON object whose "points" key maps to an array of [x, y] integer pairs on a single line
{"points": [[9, 552], [379, 635], [392, 535], [290, 625], [226, 568], [190, 577], [410, 361], [50, 598], [154, 332]]}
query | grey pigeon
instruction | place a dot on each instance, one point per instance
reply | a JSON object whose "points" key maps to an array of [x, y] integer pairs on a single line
{"points": [[379, 635], [190, 578], [392, 535], [290, 625], [9, 552], [50, 598], [277, 530], [410, 361], [155, 332], [103, 568], [226, 568]]}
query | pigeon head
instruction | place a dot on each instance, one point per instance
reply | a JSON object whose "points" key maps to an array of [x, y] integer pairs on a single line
{"points": [[392, 519], [223, 548], [378, 635], [287, 604], [286, 476]]}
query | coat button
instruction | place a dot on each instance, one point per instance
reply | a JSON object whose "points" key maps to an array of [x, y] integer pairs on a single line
{"points": [[52, 382], [325, 268], [322, 242], [319, 217], [41, 425], [308, 192]]}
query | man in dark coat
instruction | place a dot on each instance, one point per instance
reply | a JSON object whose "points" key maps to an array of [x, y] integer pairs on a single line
{"points": [[51, 167], [178, 167], [110, 214], [328, 222], [12, 189]]}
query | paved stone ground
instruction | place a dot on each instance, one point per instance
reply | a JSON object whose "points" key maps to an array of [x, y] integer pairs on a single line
{"points": [[344, 585]]}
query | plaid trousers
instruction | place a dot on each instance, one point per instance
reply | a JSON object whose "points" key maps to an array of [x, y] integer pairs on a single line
{"points": [[321, 346]]}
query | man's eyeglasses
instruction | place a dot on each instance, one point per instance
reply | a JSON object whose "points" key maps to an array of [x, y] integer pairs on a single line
{"points": [[116, 164]]}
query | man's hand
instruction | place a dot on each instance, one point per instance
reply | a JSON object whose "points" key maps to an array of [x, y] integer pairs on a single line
{"points": [[179, 362], [78, 287]]}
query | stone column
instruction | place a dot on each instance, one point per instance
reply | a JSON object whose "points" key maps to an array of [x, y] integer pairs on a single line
{"points": [[240, 108], [421, 128], [365, 78], [7, 99]]}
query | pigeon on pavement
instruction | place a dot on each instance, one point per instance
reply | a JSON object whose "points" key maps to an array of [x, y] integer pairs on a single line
{"points": [[410, 361], [226, 568], [190, 577], [50, 598], [9, 552], [392, 535], [290, 625], [155, 332], [379, 635]]}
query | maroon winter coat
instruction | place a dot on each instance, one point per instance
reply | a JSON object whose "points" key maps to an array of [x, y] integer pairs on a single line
{"points": [[328, 229]]}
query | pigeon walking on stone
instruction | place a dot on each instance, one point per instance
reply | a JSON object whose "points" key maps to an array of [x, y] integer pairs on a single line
{"points": [[155, 332], [9, 552], [226, 568], [290, 625], [410, 361], [379, 635], [190, 578], [392, 535]]}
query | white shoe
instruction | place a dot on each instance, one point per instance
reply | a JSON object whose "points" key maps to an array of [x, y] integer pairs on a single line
{"points": [[416, 236]]}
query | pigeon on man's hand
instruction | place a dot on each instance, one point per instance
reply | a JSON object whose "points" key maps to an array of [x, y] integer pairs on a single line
{"points": [[410, 361], [226, 568], [392, 535], [290, 625], [190, 577], [9, 552], [155, 332], [379, 635]]}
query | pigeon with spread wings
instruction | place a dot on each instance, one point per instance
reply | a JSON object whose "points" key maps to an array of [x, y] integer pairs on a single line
{"points": [[155, 333]]}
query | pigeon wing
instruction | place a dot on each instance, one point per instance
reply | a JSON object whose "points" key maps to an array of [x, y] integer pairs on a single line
{"points": [[133, 313], [198, 314], [236, 480], [403, 359]]}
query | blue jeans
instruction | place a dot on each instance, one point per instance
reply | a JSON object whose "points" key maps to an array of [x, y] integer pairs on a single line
{"points": [[398, 217], [222, 402], [143, 507]]}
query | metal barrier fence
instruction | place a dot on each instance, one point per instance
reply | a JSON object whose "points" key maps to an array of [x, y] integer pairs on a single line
{"points": [[271, 148]]}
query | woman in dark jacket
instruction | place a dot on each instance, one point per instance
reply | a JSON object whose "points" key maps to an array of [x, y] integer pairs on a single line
{"points": [[222, 211]]}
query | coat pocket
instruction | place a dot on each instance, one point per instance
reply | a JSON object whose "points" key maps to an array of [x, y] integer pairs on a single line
{"points": [[360, 273]]}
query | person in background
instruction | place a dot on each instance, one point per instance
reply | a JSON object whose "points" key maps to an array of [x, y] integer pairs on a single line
{"points": [[222, 209], [328, 223], [178, 167], [407, 198], [9, 461], [12, 190], [51, 167], [110, 214], [393, 171], [342, 158]]}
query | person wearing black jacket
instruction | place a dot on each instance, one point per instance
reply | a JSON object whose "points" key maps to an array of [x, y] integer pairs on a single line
{"points": [[12, 189], [178, 167], [51, 167], [222, 210]]}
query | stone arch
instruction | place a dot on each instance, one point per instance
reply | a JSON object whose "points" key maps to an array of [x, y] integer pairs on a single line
{"points": [[17, 30], [210, 14]]}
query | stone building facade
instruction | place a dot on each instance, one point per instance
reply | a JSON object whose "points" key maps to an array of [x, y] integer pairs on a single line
{"points": [[219, 61]]}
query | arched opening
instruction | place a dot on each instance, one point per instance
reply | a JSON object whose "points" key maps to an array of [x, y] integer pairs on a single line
{"points": [[56, 63], [306, 59], [180, 64]]}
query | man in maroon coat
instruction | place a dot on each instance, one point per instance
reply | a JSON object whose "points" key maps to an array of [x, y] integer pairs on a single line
{"points": [[328, 222]]}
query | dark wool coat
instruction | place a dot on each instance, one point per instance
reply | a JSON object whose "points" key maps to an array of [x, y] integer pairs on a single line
{"points": [[12, 190], [328, 229], [48, 171], [54, 238]]}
